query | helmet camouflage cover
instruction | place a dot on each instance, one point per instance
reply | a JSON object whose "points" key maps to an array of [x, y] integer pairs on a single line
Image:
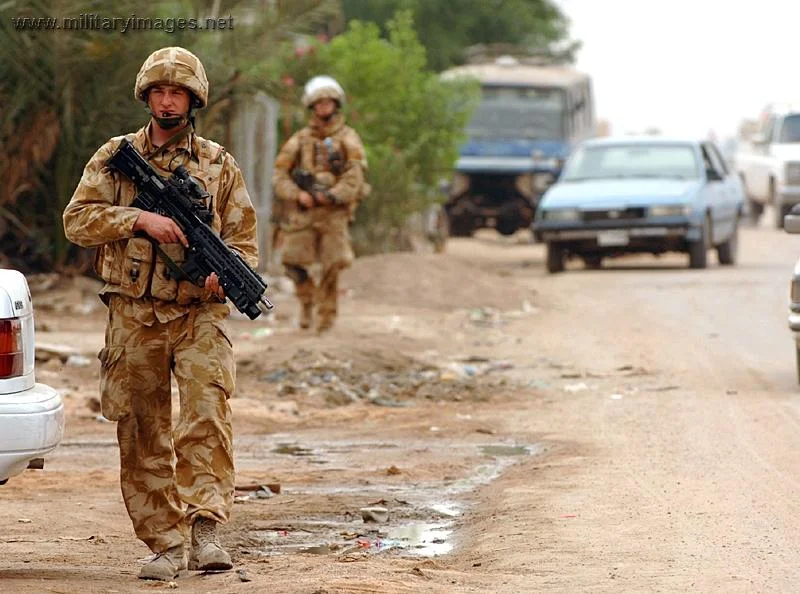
{"points": [[173, 66], [322, 87]]}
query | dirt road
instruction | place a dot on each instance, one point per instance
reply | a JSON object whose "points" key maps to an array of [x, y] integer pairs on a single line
{"points": [[627, 429]]}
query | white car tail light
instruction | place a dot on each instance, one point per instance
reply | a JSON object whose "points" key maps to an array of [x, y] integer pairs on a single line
{"points": [[12, 355]]}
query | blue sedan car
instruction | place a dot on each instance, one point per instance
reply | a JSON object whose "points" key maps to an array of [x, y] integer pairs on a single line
{"points": [[624, 195]]}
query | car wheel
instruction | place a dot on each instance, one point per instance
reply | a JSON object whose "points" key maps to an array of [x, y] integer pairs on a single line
{"points": [[555, 258], [698, 250], [728, 251]]}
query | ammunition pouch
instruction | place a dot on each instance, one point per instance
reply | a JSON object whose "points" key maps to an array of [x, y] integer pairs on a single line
{"points": [[165, 285], [137, 267]]}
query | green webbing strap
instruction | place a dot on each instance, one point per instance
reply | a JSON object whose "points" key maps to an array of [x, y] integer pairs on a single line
{"points": [[179, 135]]}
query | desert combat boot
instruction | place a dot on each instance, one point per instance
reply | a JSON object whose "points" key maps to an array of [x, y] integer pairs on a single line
{"points": [[207, 554], [164, 566]]}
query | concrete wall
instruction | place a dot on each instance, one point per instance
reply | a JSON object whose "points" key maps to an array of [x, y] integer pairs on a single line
{"points": [[253, 128]]}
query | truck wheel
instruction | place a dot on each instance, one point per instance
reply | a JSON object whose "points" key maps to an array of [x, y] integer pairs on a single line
{"points": [[698, 250], [555, 258], [727, 252], [506, 226]]}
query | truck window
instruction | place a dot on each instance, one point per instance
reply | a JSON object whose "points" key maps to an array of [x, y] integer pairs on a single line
{"points": [[519, 112], [790, 129]]}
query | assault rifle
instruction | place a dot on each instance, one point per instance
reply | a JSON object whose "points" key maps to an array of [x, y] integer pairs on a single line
{"points": [[180, 198], [306, 181]]}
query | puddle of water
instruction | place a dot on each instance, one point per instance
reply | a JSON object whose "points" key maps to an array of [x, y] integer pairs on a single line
{"points": [[505, 450], [447, 509], [421, 516], [426, 540]]}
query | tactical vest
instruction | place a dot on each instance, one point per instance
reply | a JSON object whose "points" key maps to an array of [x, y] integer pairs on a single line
{"points": [[315, 156]]}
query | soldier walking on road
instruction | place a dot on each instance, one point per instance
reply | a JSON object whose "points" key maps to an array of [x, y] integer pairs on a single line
{"points": [[159, 327], [319, 177]]}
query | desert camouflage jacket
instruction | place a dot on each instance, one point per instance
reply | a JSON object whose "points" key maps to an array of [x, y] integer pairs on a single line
{"points": [[308, 149], [99, 215]]}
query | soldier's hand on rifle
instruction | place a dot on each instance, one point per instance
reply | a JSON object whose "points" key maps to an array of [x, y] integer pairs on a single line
{"points": [[162, 229], [322, 199], [305, 199], [212, 285]]}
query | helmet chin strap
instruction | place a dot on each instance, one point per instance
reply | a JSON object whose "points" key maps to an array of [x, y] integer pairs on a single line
{"points": [[328, 117], [168, 123]]}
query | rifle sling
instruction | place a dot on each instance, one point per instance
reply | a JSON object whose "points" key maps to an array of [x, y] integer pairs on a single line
{"points": [[179, 135], [171, 264]]}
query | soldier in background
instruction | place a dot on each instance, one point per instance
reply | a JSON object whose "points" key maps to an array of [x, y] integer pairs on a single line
{"points": [[160, 327], [319, 179]]}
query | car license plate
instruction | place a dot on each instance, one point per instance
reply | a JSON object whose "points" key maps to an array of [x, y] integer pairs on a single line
{"points": [[611, 238]]}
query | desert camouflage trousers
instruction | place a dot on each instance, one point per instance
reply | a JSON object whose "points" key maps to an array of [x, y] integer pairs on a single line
{"points": [[169, 476], [322, 235]]}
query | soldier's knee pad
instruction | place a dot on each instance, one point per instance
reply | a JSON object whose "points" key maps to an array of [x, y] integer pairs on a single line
{"points": [[297, 273]]}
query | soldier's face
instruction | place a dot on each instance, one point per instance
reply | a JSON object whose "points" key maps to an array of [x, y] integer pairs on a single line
{"points": [[324, 108], [168, 100]]}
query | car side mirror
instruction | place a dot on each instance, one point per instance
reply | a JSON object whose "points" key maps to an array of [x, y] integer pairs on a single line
{"points": [[713, 175]]}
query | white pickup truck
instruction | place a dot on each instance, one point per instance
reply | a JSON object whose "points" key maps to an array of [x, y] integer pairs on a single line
{"points": [[769, 163]]}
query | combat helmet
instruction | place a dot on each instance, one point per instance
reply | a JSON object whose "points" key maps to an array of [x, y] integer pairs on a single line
{"points": [[322, 87], [173, 66]]}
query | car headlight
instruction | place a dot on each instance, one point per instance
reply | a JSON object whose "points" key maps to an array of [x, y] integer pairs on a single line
{"points": [[793, 174], [460, 184], [672, 210], [562, 214]]}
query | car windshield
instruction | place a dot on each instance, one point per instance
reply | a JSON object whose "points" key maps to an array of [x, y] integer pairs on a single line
{"points": [[633, 161], [790, 130], [519, 112]]}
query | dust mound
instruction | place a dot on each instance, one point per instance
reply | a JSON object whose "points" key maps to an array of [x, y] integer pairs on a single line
{"points": [[431, 281]]}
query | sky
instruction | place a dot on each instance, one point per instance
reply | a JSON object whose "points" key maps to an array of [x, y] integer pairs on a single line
{"points": [[686, 67]]}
